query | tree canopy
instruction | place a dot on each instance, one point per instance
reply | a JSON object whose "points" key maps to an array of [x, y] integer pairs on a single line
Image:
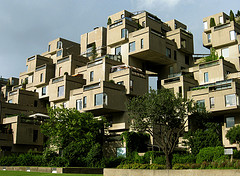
{"points": [[233, 135], [163, 115], [77, 135]]}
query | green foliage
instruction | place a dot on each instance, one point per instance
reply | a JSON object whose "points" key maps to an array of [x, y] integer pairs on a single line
{"points": [[75, 134], [212, 22], [141, 166], [109, 21], [233, 135], [238, 14], [135, 141], [207, 135], [165, 112], [213, 56], [231, 14], [210, 154], [94, 51]]}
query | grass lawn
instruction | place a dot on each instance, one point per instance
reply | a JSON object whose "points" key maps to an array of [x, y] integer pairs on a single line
{"points": [[22, 173]]}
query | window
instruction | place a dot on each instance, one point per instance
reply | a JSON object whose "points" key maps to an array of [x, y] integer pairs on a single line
{"points": [[118, 50], [131, 46], [60, 71], [221, 20], [35, 103], [170, 70], [239, 48], [84, 102], [30, 79], [124, 33], [91, 75], [230, 122], [168, 52], [41, 77], [79, 104], [201, 103], [59, 45], [175, 25], [180, 90], [232, 35], [98, 99], [206, 77], [187, 59], [60, 91], [64, 105], [225, 52], [230, 100], [35, 135], [212, 104], [43, 91], [49, 48], [175, 55], [59, 53], [10, 101], [131, 84], [122, 16], [209, 38], [205, 25], [143, 24], [141, 43]]}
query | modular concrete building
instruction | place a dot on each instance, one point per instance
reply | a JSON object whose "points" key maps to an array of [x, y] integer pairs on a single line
{"points": [[133, 48]]}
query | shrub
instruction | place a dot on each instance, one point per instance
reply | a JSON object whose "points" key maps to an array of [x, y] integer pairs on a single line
{"points": [[210, 154], [212, 22], [181, 159], [112, 162]]}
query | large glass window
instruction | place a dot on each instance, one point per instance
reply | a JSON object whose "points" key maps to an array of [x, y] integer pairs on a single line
{"points": [[232, 35], [205, 26], [209, 38], [44, 91], [118, 50], [59, 45], [124, 33], [230, 100], [201, 103], [212, 103], [230, 122], [206, 77], [91, 75], [41, 77], [100, 99], [59, 53], [131, 46], [84, 102], [79, 104], [168, 52], [225, 52], [60, 91]]}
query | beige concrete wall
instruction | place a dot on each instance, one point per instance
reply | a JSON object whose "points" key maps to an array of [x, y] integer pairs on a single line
{"points": [[190, 172]]}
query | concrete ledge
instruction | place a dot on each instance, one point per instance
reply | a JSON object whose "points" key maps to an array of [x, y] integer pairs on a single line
{"points": [[188, 172], [77, 170]]}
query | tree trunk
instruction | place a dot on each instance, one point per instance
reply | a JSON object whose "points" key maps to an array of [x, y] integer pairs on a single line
{"points": [[168, 161]]}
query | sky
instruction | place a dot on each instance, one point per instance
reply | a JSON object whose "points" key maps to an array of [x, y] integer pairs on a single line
{"points": [[26, 26]]}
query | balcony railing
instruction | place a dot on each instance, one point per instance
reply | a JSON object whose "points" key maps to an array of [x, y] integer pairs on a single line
{"points": [[92, 86], [63, 60], [216, 28], [12, 93], [118, 23], [210, 64], [31, 58], [40, 68], [219, 85]]}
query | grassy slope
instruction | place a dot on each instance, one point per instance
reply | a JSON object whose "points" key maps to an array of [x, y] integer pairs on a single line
{"points": [[20, 173]]}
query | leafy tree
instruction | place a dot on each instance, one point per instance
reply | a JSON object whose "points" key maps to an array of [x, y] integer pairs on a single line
{"points": [[232, 18], [233, 135], [238, 14], [212, 22], [94, 52], [109, 21], [213, 56], [163, 116], [75, 134]]}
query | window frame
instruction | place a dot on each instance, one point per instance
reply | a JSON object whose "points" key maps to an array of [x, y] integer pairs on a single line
{"points": [[232, 102], [84, 101], [227, 122], [206, 77], [91, 76], [44, 90], [60, 92], [132, 46], [79, 104]]}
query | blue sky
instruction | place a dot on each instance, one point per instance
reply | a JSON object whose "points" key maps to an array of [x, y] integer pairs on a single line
{"points": [[27, 26]]}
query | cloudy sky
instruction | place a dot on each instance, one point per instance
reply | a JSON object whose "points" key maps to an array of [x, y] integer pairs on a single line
{"points": [[26, 26]]}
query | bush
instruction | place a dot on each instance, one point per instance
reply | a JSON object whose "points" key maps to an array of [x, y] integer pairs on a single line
{"points": [[181, 159], [210, 154], [212, 22], [112, 162], [141, 166]]}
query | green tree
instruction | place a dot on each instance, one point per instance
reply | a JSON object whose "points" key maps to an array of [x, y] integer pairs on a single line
{"points": [[233, 135], [231, 14], [212, 22], [213, 56], [94, 52], [163, 115], [75, 134], [238, 14], [109, 21]]}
